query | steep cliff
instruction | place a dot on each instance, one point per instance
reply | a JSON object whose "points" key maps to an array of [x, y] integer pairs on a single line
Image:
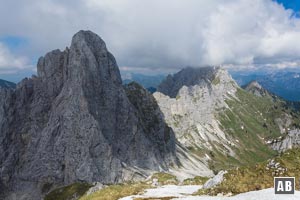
{"points": [[74, 122], [287, 141]]}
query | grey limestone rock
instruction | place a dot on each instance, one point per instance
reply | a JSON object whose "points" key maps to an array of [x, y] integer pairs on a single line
{"points": [[74, 122], [217, 179], [191, 111], [289, 141], [255, 88], [187, 77], [98, 186], [190, 100]]}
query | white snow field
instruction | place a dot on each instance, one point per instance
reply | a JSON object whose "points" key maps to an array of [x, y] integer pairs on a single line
{"points": [[167, 191], [266, 194], [185, 193]]}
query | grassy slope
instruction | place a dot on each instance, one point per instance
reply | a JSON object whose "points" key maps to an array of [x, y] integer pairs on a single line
{"points": [[259, 176], [257, 117], [115, 192], [111, 192], [68, 192], [198, 180]]}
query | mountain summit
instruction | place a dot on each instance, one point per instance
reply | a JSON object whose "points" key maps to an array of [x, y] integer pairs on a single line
{"points": [[74, 122], [255, 88], [187, 77]]}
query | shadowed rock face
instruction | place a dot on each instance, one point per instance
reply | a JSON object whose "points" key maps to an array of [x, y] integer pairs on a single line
{"points": [[74, 122], [186, 77]]}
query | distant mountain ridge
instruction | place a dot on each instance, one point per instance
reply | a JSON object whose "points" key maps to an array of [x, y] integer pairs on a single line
{"points": [[255, 88], [147, 81], [7, 84], [188, 76], [283, 83]]}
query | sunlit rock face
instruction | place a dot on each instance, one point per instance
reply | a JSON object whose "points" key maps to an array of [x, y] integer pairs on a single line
{"points": [[190, 107]]}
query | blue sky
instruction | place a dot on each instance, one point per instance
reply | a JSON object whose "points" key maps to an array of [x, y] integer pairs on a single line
{"points": [[193, 32], [16, 45], [291, 4], [13, 42]]}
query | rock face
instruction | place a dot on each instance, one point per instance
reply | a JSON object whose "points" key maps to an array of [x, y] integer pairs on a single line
{"points": [[151, 117], [186, 77], [190, 106], [255, 88], [217, 179], [218, 123], [189, 101], [75, 122], [289, 141]]}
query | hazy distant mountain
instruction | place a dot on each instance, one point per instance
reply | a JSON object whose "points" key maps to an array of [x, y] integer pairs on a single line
{"points": [[255, 88], [6, 84], [284, 83], [149, 82]]}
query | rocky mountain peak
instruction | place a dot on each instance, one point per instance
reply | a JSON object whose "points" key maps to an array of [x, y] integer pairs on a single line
{"points": [[254, 84], [90, 58], [74, 122], [190, 100], [188, 77], [255, 88], [84, 59], [90, 39]]}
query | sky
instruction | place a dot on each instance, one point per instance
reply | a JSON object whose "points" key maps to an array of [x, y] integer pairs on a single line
{"points": [[154, 36]]}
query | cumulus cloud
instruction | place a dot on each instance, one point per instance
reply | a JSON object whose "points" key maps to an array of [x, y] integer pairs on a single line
{"points": [[10, 63], [163, 35]]}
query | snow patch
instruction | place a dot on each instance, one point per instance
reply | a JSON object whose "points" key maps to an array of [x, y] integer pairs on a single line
{"points": [[266, 194], [167, 191]]}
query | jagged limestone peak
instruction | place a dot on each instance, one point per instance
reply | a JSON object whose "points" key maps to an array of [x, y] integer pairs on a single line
{"points": [[191, 77], [254, 84], [88, 38], [75, 123], [192, 112], [255, 88], [186, 77]]}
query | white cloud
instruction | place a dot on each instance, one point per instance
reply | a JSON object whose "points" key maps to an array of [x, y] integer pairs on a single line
{"points": [[10, 63], [168, 34]]}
